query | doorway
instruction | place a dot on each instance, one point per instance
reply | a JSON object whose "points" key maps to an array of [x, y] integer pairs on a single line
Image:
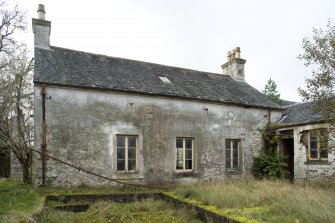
{"points": [[286, 146]]}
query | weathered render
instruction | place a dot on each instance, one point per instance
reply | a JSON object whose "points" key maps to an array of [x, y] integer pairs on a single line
{"points": [[181, 123], [310, 159]]}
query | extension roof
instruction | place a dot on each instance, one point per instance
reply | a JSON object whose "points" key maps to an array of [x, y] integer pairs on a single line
{"points": [[300, 114], [65, 67]]}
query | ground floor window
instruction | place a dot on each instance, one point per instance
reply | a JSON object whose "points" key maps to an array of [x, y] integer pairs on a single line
{"points": [[185, 151], [318, 144], [232, 154], [126, 152]]}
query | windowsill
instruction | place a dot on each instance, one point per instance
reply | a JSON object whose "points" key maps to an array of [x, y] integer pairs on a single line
{"points": [[121, 172], [317, 162], [190, 173]]}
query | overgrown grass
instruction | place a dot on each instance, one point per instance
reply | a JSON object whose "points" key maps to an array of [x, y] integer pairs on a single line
{"points": [[19, 202], [264, 201], [145, 211], [269, 201]]}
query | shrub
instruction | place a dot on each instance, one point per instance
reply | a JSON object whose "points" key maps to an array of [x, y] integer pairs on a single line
{"points": [[270, 166]]}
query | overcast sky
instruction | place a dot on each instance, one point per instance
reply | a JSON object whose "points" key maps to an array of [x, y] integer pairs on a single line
{"points": [[193, 34]]}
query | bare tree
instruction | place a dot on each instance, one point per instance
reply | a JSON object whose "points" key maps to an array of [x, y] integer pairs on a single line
{"points": [[16, 98]]}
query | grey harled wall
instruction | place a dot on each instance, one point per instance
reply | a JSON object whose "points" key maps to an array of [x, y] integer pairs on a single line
{"points": [[82, 127]]}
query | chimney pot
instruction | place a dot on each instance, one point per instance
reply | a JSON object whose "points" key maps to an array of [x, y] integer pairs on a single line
{"points": [[228, 56], [232, 55], [41, 12], [237, 52]]}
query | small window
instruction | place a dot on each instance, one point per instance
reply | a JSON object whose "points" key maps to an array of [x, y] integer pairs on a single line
{"points": [[232, 154], [184, 154], [164, 79], [126, 152], [318, 144]]}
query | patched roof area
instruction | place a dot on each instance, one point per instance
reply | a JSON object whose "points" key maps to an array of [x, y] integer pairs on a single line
{"points": [[300, 114], [80, 69]]}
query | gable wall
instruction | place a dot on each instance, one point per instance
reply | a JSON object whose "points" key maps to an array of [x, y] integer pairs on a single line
{"points": [[82, 127]]}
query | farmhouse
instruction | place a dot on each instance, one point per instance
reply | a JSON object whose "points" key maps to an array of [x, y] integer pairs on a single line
{"points": [[148, 123]]}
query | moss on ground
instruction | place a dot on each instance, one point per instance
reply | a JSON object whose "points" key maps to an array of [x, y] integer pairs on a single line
{"points": [[145, 211]]}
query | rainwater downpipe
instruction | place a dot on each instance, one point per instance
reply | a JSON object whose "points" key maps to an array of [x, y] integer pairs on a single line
{"points": [[44, 141]]}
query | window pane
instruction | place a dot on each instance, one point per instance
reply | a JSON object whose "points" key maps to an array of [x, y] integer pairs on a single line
{"points": [[188, 143], [131, 141], [179, 143], [235, 155], [313, 147], [228, 154], [188, 154], [121, 153], [121, 165], [179, 165], [235, 145], [228, 164], [228, 144], [131, 164], [324, 153], [120, 141], [235, 163], [188, 164], [314, 153], [132, 153]]}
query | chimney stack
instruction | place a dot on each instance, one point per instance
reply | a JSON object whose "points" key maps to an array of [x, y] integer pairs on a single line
{"points": [[234, 66], [41, 29]]}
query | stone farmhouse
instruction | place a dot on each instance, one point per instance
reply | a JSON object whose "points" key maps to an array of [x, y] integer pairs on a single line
{"points": [[153, 124]]}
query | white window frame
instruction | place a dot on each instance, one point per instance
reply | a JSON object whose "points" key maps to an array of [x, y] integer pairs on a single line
{"points": [[126, 153], [232, 154], [184, 159]]}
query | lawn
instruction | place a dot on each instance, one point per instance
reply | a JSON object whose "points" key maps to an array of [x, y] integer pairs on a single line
{"points": [[259, 201]]}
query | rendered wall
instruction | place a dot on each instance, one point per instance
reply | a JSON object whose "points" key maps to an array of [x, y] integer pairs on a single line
{"points": [[82, 126]]}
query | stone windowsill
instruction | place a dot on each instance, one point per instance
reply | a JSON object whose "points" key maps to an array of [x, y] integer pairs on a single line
{"points": [[131, 175], [181, 174]]}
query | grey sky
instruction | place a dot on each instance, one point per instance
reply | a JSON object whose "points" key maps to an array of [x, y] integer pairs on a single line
{"points": [[194, 34]]}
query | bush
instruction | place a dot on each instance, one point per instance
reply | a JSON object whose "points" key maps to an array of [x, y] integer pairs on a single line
{"points": [[270, 166]]}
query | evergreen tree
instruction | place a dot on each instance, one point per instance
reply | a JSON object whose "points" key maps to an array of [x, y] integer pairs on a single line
{"points": [[270, 90]]}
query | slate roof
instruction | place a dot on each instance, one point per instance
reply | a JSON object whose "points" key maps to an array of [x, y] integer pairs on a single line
{"points": [[300, 114], [67, 67]]}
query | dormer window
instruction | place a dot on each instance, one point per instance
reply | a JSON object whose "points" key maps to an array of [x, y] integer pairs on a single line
{"points": [[164, 79]]}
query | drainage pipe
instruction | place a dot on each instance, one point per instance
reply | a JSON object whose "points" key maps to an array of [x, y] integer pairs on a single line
{"points": [[44, 141]]}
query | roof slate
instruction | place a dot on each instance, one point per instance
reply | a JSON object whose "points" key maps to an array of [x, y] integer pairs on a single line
{"points": [[67, 67], [300, 114]]}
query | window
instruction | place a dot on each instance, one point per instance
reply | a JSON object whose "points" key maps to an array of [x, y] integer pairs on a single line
{"points": [[126, 152], [232, 154], [184, 150], [318, 144], [164, 79]]}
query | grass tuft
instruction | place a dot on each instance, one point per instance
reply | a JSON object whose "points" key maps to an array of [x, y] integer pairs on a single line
{"points": [[280, 201]]}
